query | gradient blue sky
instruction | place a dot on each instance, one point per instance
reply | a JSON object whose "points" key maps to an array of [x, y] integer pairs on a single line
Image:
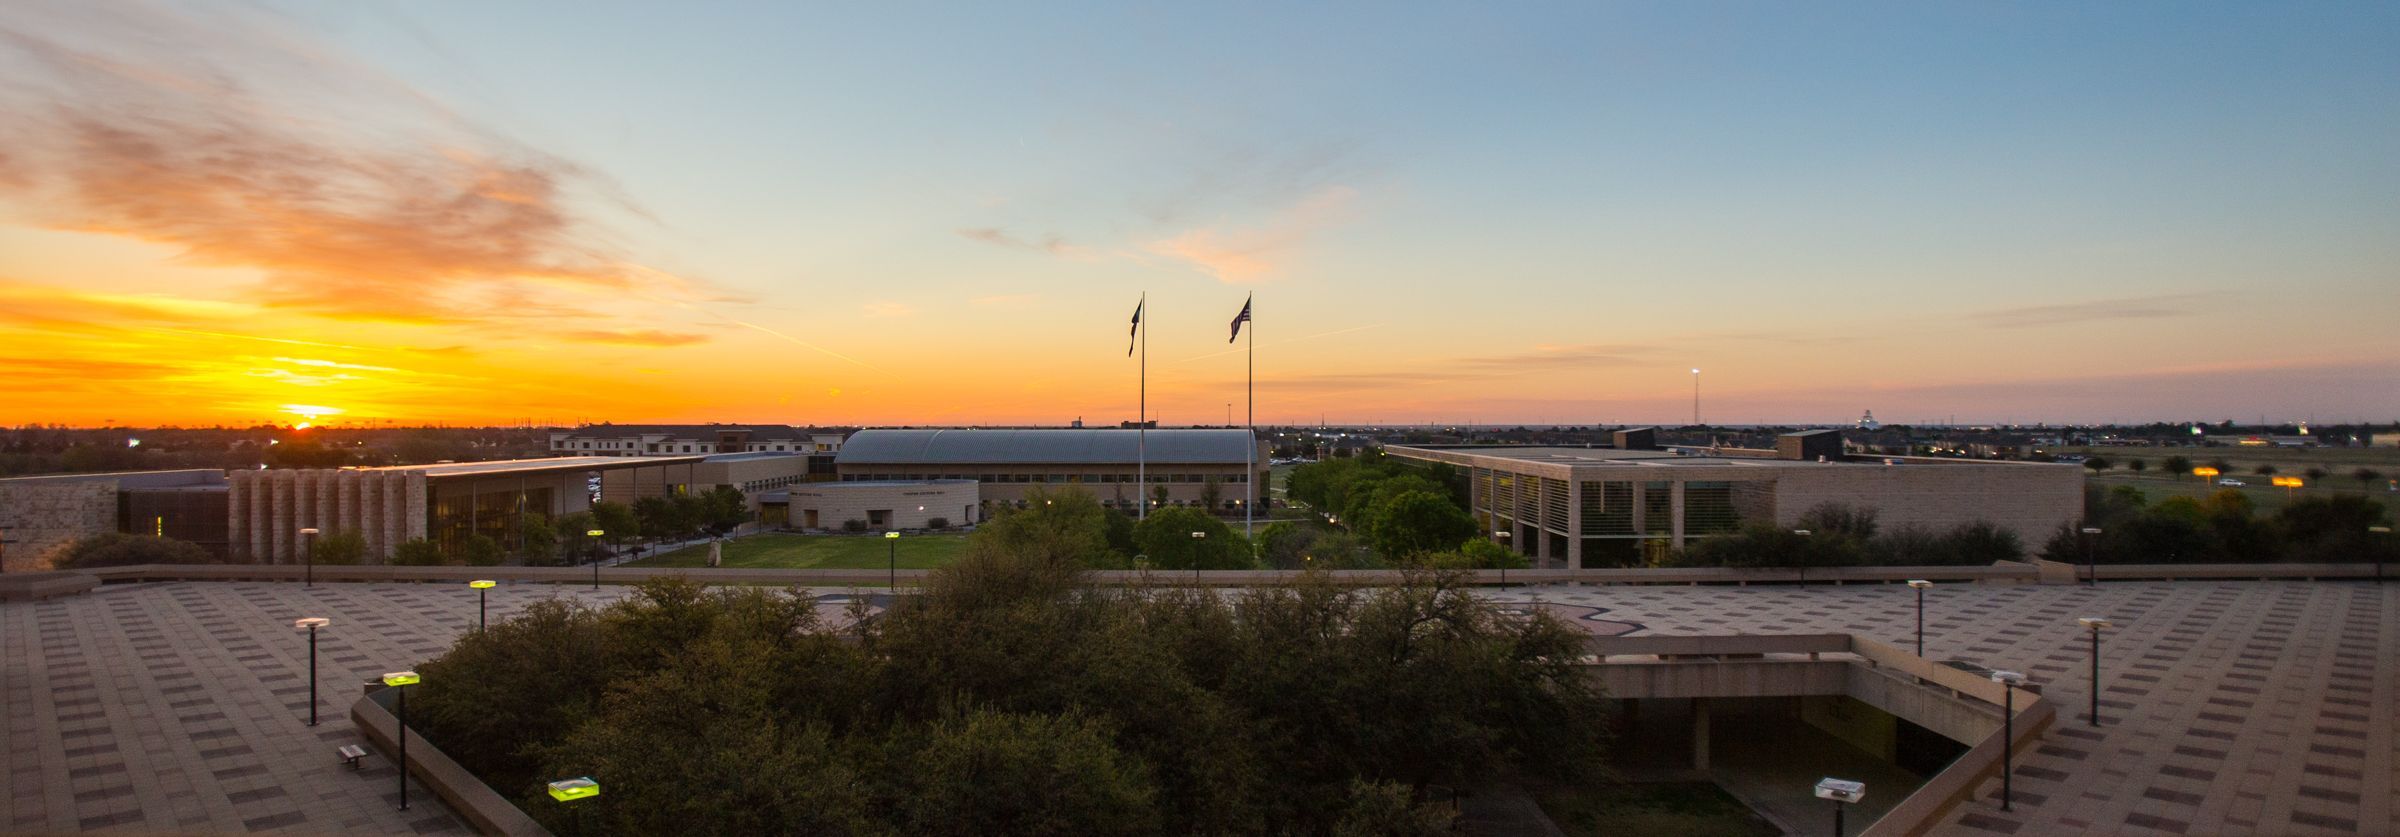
{"points": [[938, 214]]}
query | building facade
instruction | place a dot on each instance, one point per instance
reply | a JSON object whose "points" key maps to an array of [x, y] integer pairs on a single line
{"points": [[1007, 465], [1578, 507], [441, 503], [683, 439], [883, 506], [41, 517]]}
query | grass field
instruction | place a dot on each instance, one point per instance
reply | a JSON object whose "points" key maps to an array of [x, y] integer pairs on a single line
{"points": [[778, 550]]}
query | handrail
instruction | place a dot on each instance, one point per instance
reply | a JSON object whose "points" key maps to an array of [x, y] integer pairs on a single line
{"points": [[2009, 572], [484, 809], [1717, 646]]}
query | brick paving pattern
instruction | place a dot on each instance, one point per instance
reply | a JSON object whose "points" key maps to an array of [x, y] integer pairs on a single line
{"points": [[2227, 708]]}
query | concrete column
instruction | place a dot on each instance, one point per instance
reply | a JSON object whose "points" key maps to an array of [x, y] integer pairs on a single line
{"points": [[416, 498], [1699, 732], [395, 510], [282, 528], [1574, 524], [345, 501], [369, 513], [237, 520], [1641, 507], [1675, 511], [317, 508], [262, 498]]}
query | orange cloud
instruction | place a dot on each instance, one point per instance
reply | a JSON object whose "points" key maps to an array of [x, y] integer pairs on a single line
{"points": [[178, 130], [1249, 254], [637, 337]]}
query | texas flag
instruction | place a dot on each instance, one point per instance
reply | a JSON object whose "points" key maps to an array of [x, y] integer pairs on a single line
{"points": [[1239, 319], [1137, 327]]}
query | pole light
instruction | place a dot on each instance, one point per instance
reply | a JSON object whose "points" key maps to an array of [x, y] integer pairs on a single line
{"points": [[1920, 585], [595, 533], [891, 556], [1197, 536], [1803, 559], [2379, 549], [2091, 564], [483, 588], [402, 680], [1843, 792], [2095, 625], [570, 790], [2009, 682], [1503, 535], [308, 540], [311, 624]]}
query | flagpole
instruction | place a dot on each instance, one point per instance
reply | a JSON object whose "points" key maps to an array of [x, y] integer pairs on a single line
{"points": [[1141, 428], [1250, 418]]}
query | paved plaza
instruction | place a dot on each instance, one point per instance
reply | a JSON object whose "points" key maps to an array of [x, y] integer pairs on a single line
{"points": [[2228, 707]]}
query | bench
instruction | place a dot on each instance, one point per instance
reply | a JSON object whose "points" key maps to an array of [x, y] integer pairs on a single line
{"points": [[351, 753]]}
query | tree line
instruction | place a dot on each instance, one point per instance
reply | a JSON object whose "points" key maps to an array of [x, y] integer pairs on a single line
{"points": [[2224, 528], [1013, 696]]}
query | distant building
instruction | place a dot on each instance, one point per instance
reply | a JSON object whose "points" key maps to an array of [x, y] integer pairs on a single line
{"points": [[40, 517], [1578, 507], [754, 474], [678, 439], [442, 503], [1868, 422], [1008, 464]]}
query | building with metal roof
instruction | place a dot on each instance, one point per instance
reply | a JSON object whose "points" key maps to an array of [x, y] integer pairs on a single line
{"points": [[444, 503], [1214, 468]]}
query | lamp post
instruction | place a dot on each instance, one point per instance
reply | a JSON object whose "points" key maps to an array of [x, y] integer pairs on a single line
{"points": [[402, 680], [2386, 532], [2009, 681], [570, 790], [311, 624], [1696, 396], [308, 553], [1503, 535], [1920, 585], [891, 556], [1197, 536], [483, 587], [1804, 557], [1842, 792], [2091, 564], [2095, 624], [595, 533]]}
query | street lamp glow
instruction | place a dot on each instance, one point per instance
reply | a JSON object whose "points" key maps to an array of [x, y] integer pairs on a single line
{"points": [[2094, 623], [594, 533], [891, 534], [401, 678], [309, 531], [483, 584], [569, 790], [2204, 471], [1919, 583], [310, 622]]}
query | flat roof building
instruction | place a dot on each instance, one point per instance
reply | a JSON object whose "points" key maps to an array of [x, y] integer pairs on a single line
{"points": [[1580, 507], [41, 517], [443, 503], [1008, 464], [670, 439]]}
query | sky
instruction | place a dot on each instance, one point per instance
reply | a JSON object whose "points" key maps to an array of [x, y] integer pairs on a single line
{"points": [[898, 213]]}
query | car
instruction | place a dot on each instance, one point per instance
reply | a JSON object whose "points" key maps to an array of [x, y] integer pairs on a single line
{"points": [[2231, 482]]}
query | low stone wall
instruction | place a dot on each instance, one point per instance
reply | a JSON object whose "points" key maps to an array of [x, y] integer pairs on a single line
{"points": [[23, 587], [482, 807]]}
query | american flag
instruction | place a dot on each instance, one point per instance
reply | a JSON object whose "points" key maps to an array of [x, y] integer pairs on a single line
{"points": [[1137, 327], [1239, 319]]}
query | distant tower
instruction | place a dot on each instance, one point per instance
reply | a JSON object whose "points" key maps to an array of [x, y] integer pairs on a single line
{"points": [[1868, 422]]}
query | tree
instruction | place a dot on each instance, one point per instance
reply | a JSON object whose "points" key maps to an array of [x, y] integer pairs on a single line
{"points": [[343, 548], [1482, 554], [2137, 465], [661, 517], [618, 520], [1853, 523], [1158, 496], [1068, 526], [2264, 470], [2178, 465], [479, 550], [1417, 522], [2326, 528], [1211, 494], [117, 549], [2097, 463], [2315, 473], [2366, 477], [575, 543], [418, 552], [537, 540], [1166, 537], [724, 509]]}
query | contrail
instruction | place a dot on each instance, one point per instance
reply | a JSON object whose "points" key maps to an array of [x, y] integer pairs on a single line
{"points": [[1283, 342], [257, 338]]}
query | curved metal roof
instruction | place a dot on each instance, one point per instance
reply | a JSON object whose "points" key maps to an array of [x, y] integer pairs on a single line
{"points": [[1049, 447]]}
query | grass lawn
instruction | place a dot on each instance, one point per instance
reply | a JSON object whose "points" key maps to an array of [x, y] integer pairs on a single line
{"points": [[2266, 498], [1664, 809], [780, 550]]}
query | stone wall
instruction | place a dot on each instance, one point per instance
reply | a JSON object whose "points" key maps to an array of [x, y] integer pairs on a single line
{"points": [[41, 520], [2030, 499]]}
